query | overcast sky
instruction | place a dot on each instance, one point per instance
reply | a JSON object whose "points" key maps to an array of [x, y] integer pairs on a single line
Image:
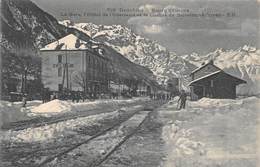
{"points": [[237, 26]]}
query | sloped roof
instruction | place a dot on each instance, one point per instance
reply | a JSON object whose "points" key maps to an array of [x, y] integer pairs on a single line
{"points": [[238, 80], [201, 67], [69, 42], [205, 76]]}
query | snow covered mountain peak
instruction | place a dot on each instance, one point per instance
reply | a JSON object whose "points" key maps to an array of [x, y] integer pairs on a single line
{"points": [[140, 50], [243, 62]]}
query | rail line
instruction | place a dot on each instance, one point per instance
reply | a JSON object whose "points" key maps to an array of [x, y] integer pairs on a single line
{"points": [[147, 107], [97, 163], [41, 121]]}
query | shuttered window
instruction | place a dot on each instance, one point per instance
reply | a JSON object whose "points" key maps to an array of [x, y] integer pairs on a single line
{"points": [[59, 71], [211, 83]]}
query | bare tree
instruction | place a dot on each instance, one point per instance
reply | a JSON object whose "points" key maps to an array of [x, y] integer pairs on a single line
{"points": [[80, 79]]}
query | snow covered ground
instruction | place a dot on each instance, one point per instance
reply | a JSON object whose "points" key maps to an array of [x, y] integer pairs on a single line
{"points": [[208, 133], [57, 106], [92, 153], [212, 132], [33, 145], [60, 129], [13, 112]]}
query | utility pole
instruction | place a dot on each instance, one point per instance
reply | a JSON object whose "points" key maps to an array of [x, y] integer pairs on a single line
{"points": [[86, 72], [67, 68]]}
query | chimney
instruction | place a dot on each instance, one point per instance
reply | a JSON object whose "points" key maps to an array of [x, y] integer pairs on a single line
{"points": [[211, 62]]}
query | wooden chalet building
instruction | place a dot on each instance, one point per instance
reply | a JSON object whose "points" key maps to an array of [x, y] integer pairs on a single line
{"points": [[211, 81]]}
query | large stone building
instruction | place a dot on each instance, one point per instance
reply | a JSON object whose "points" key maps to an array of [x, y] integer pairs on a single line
{"points": [[76, 65]]}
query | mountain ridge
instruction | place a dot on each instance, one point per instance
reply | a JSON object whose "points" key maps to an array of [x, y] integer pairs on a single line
{"points": [[165, 64]]}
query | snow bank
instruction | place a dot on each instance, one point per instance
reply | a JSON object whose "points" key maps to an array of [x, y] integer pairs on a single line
{"points": [[54, 106], [52, 131], [11, 112], [59, 107], [63, 129], [212, 132]]}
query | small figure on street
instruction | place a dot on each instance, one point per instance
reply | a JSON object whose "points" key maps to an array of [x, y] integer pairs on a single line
{"points": [[24, 100], [77, 96], [183, 97]]}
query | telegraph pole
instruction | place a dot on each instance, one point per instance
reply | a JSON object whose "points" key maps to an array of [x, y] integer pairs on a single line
{"points": [[67, 68]]}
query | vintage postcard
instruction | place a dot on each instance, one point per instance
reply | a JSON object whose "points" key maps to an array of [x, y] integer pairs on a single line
{"points": [[130, 83]]}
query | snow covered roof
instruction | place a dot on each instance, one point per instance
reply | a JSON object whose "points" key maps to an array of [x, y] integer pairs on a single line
{"points": [[199, 68], [205, 76], [240, 81], [69, 42]]}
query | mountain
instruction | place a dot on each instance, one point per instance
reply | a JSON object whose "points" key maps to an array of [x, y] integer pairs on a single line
{"points": [[243, 62], [24, 24], [148, 53]]}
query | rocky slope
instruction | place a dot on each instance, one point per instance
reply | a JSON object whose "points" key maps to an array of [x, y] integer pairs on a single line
{"points": [[26, 25]]}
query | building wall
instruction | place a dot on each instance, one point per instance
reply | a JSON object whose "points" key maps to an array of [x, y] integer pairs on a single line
{"points": [[97, 73], [220, 86], [204, 71], [87, 65], [51, 67]]}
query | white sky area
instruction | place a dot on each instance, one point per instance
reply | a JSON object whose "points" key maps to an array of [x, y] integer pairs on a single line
{"points": [[182, 35]]}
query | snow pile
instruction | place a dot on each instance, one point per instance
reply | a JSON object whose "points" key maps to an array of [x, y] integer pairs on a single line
{"points": [[59, 107], [57, 130], [13, 112], [212, 132], [183, 145], [54, 106], [63, 129]]}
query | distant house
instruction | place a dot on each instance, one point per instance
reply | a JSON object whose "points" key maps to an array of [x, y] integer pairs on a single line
{"points": [[74, 64], [211, 81]]}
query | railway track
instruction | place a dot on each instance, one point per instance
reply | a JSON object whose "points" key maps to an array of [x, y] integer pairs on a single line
{"points": [[101, 159], [61, 153], [41, 121]]}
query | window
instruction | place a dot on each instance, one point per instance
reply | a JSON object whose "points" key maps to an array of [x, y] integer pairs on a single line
{"points": [[211, 83], [59, 71], [59, 58]]}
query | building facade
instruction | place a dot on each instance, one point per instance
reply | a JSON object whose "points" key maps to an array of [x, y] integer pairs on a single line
{"points": [[210, 81], [75, 65]]}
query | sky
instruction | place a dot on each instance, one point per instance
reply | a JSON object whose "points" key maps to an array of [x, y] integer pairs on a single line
{"points": [[176, 24]]}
